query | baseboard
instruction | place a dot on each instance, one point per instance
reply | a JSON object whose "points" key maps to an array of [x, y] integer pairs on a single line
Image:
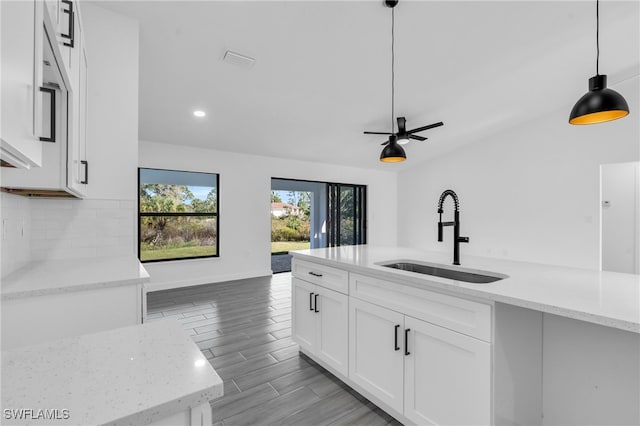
{"points": [[167, 285]]}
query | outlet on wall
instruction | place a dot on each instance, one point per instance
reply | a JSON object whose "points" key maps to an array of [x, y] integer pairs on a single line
{"points": [[4, 228]]}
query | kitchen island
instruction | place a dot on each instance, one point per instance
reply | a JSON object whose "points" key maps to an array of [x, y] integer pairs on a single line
{"points": [[545, 345], [137, 375]]}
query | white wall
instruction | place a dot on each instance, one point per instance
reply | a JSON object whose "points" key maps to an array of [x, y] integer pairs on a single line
{"points": [[103, 224], [112, 55], [530, 193], [245, 225]]}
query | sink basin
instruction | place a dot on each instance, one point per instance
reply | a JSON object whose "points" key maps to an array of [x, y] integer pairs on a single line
{"points": [[469, 275]]}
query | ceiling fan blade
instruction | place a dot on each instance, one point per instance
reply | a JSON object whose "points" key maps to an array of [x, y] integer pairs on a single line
{"points": [[418, 138], [430, 126], [402, 125], [377, 133]]}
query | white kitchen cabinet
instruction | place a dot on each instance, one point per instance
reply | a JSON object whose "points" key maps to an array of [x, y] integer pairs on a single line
{"points": [[376, 356], [422, 355], [22, 41], [432, 375], [77, 163], [64, 171], [447, 376], [320, 323], [303, 326]]}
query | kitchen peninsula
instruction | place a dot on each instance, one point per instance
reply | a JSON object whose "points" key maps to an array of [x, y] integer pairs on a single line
{"points": [[545, 345]]}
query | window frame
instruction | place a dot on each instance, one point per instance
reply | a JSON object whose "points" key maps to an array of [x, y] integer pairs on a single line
{"points": [[180, 214]]}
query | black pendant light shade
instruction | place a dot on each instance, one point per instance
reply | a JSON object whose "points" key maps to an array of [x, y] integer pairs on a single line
{"points": [[599, 104], [392, 152]]}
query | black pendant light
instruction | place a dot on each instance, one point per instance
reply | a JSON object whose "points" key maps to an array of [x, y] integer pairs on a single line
{"points": [[392, 152], [600, 104]]}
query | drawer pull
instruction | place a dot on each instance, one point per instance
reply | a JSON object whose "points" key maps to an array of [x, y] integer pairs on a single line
{"points": [[315, 274], [52, 115], [396, 347], [71, 29], [406, 341], [311, 301]]}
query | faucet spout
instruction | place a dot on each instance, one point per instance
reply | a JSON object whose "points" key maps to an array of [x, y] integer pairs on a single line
{"points": [[457, 239]]}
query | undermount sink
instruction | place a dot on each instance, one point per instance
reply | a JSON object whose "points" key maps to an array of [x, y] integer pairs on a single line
{"points": [[469, 276]]}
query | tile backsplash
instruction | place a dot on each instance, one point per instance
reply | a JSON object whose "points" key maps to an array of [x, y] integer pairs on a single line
{"points": [[69, 229]]}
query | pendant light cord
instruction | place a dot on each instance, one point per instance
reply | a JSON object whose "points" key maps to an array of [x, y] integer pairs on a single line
{"points": [[393, 91], [597, 36]]}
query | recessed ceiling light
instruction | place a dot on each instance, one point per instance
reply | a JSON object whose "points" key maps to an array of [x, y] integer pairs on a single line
{"points": [[199, 113]]}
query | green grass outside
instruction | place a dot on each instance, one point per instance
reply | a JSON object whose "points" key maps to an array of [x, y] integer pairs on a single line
{"points": [[284, 246], [176, 252]]}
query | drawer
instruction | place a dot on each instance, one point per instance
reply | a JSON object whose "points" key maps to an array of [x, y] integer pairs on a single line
{"points": [[458, 314], [325, 276]]}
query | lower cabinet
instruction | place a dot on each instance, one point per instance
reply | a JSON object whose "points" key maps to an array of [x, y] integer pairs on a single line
{"points": [[447, 376], [376, 356], [319, 326], [432, 375], [423, 356]]}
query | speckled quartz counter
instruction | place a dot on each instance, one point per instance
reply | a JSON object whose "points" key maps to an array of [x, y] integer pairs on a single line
{"points": [[63, 276], [133, 375], [606, 298]]}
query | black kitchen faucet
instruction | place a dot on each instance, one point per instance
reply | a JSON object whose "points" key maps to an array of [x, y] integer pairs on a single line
{"points": [[457, 239]]}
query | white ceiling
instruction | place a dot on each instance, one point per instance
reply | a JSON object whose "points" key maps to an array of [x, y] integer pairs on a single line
{"points": [[322, 71]]}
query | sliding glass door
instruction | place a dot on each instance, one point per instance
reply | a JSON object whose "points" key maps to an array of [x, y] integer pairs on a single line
{"points": [[346, 214]]}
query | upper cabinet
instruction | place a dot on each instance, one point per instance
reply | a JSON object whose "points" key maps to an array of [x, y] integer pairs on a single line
{"points": [[22, 100], [60, 108]]}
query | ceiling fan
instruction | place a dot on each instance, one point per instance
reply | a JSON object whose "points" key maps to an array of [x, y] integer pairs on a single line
{"points": [[403, 135], [392, 151]]}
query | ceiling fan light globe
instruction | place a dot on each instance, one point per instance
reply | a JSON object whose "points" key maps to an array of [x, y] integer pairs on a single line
{"points": [[403, 140]]}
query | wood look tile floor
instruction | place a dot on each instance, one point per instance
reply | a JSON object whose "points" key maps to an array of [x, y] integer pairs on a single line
{"points": [[244, 329]]}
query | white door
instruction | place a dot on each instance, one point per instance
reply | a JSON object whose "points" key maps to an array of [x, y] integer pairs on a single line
{"points": [[447, 377], [303, 325], [376, 351], [332, 329]]}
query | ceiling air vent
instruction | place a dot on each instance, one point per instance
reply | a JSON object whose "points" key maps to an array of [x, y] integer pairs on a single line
{"points": [[238, 59]]}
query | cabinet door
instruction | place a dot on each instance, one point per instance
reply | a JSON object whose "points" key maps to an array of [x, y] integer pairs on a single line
{"points": [[447, 377], [303, 324], [376, 351], [21, 50], [332, 329], [77, 166]]}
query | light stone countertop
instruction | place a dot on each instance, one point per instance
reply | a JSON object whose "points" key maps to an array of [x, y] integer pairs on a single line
{"points": [[607, 298], [132, 375], [41, 278]]}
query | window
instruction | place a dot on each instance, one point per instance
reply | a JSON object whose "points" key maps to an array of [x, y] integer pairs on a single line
{"points": [[178, 215]]}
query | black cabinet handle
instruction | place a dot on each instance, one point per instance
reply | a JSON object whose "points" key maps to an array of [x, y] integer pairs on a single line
{"points": [[52, 112], [315, 308], [315, 274], [406, 341], [86, 172], [311, 301], [396, 347], [71, 29]]}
